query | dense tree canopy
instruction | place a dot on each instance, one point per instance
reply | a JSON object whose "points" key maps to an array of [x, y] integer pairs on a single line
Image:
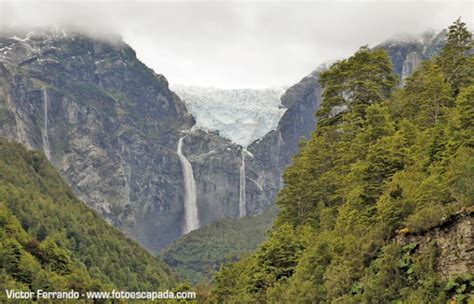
{"points": [[49, 240], [383, 159]]}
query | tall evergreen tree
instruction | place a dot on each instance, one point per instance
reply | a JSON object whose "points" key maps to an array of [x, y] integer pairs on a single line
{"points": [[457, 57], [377, 164], [352, 84]]}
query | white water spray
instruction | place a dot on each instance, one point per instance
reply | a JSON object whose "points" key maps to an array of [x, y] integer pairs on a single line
{"points": [[242, 205], [44, 133], [191, 219]]}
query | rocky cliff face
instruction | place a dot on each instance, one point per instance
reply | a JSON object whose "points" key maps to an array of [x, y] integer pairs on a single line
{"points": [[111, 126], [454, 241], [215, 161], [407, 53], [225, 188], [272, 154], [106, 121]]}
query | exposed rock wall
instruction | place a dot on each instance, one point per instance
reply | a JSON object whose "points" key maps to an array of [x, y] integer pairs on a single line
{"points": [[106, 121], [407, 53], [216, 162], [273, 153], [111, 126], [410, 64], [454, 239]]}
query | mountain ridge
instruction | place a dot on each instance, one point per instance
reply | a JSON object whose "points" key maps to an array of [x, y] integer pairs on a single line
{"points": [[279, 146], [52, 241], [111, 126]]}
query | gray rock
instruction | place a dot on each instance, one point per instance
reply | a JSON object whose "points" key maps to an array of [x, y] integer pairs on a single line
{"points": [[111, 126], [454, 243]]}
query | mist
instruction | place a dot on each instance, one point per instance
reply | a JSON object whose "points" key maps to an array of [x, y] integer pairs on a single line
{"points": [[231, 44]]}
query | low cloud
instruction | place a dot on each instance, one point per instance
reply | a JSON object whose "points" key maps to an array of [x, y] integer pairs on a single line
{"points": [[239, 44]]}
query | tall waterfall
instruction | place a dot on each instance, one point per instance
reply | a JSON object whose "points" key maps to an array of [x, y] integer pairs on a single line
{"points": [[242, 206], [44, 133], [191, 220]]}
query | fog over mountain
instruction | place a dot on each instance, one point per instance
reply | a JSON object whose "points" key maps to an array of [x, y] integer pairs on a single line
{"points": [[266, 151], [229, 44]]}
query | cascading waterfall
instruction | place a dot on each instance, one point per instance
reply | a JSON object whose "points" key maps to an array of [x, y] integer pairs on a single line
{"points": [[191, 219], [44, 133], [242, 205]]}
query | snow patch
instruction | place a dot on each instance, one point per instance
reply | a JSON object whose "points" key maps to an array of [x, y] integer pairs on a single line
{"points": [[14, 37]]}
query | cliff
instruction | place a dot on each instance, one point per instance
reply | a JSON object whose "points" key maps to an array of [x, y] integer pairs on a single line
{"points": [[108, 123], [454, 240]]}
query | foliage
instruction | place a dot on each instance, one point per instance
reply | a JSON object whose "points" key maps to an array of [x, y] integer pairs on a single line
{"points": [[382, 160], [197, 254], [50, 240]]}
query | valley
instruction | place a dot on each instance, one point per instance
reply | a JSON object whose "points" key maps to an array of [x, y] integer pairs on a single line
{"points": [[112, 177]]}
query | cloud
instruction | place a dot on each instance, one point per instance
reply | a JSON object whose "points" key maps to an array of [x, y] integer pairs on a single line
{"points": [[239, 44]]}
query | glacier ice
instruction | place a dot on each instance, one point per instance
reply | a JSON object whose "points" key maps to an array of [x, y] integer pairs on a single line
{"points": [[241, 115]]}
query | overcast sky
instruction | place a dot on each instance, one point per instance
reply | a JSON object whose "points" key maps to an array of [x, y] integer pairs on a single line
{"points": [[235, 44]]}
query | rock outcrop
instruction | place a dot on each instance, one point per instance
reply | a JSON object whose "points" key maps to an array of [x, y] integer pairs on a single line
{"points": [[216, 162], [106, 121], [272, 154], [454, 241], [407, 53], [111, 126]]}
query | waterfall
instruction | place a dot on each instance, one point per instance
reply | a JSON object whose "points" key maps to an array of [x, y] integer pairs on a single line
{"points": [[242, 206], [44, 133], [191, 220]]}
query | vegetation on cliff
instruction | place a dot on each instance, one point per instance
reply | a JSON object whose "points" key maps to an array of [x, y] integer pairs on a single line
{"points": [[50, 240], [384, 160]]}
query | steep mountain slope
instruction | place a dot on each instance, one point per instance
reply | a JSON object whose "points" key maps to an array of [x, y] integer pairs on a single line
{"points": [[406, 53], [111, 126], [270, 155], [377, 206], [50, 240], [273, 153], [107, 122], [195, 256]]}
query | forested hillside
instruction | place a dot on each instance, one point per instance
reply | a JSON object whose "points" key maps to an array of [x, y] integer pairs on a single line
{"points": [[384, 161], [49, 240], [196, 255]]}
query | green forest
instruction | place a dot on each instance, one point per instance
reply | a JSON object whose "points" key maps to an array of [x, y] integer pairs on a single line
{"points": [[50, 240], [195, 256], [384, 160]]}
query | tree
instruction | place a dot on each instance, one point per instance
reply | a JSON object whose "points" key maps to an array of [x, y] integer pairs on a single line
{"points": [[376, 164], [455, 60], [465, 105], [426, 96], [352, 84]]}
